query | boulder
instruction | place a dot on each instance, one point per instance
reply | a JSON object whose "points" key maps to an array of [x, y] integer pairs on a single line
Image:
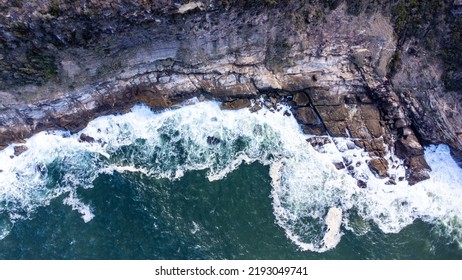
{"points": [[379, 167], [418, 170], [18, 150]]}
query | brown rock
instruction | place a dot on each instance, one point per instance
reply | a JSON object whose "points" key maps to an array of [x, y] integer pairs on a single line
{"points": [[301, 99], [379, 167], [19, 150], [317, 129], [418, 170], [357, 129], [374, 127], [152, 97], [306, 115], [336, 128], [318, 141], [374, 145], [408, 147], [235, 104]]}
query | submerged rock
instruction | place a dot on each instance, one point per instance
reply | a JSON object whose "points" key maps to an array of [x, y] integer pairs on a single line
{"points": [[211, 140], [86, 138]]}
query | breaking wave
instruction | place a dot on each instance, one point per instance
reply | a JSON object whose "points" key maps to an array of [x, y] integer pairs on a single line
{"points": [[313, 201]]}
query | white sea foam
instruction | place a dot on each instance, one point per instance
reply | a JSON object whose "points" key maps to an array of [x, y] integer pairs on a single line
{"points": [[202, 137]]}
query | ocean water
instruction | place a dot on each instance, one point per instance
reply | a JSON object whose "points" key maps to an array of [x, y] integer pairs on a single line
{"points": [[200, 183]]}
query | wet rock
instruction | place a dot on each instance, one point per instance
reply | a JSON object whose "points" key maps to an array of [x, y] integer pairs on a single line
{"points": [[379, 167], [337, 128], [255, 108], [418, 170], [18, 150], [348, 161], [211, 140], [318, 141], [268, 104], [316, 129], [333, 113], [287, 113], [86, 138], [274, 101], [301, 99], [375, 128], [361, 184], [339, 165], [236, 104], [306, 115]]}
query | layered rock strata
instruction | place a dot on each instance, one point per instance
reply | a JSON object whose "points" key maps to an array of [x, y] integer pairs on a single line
{"points": [[331, 68]]}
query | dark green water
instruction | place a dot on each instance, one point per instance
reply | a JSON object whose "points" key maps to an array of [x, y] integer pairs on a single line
{"points": [[137, 217]]}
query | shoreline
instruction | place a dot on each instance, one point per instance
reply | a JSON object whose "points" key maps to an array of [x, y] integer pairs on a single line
{"points": [[334, 76]]}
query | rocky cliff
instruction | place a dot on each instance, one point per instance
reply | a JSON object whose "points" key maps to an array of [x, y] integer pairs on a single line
{"points": [[347, 68]]}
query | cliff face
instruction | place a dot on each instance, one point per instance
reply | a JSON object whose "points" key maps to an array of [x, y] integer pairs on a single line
{"points": [[338, 69]]}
